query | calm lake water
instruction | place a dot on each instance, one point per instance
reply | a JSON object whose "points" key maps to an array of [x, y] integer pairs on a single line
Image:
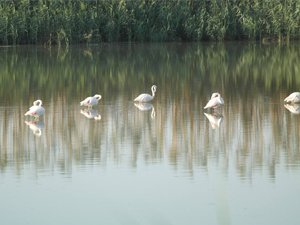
{"points": [[169, 162]]}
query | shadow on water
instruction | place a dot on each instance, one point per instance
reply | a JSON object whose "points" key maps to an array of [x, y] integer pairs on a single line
{"points": [[252, 130]]}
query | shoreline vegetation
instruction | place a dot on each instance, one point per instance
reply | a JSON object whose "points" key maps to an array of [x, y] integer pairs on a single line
{"points": [[65, 22]]}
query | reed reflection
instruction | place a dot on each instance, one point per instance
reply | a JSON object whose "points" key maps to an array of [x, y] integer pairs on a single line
{"points": [[178, 134], [174, 67], [257, 132]]}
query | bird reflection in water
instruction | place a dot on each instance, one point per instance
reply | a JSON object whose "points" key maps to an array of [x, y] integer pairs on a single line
{"points": [[146, 107], [215, 119], [293, 108], [36, 126], [91, 113]]}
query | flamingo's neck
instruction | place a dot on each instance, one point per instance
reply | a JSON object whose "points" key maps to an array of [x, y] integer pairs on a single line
{"points": [[153, 92], [37, 103]]}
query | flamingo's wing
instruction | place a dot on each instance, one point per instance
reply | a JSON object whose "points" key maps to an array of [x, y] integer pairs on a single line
{"points": [[211, 103], [40, 110], [143, 98], [93, 101], [31, 111], [86, 101], [294, 97]]}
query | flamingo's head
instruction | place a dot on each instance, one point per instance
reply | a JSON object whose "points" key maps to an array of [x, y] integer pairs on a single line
{"points": [[38, 102], [215, 95], [153, 88], [98, 97]]}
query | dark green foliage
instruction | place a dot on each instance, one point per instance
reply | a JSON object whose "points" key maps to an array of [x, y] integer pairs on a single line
{"points": [[84, 21]]}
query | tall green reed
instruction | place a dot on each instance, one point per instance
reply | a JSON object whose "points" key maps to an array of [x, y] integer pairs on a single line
{"points": [[68, 22]]}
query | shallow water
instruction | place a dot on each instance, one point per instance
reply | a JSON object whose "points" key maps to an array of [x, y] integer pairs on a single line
{"points": [[167, 162]]}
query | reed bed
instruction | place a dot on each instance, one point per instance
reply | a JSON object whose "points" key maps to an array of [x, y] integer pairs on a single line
{"points": [[64, 22]]}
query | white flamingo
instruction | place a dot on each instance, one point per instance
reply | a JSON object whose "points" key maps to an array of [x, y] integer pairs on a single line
{"points": [[91, 101], [36, 110], [293, 98], [215, 101], [146, 97]]}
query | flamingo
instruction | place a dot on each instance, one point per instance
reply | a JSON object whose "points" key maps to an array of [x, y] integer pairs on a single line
{"points": [[215, 101], [36, 110], [146, 97], [293, 98], [91, 101]]}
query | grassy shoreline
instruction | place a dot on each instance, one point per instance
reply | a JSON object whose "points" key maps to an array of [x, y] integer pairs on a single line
{"points": [[71, 22]]}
